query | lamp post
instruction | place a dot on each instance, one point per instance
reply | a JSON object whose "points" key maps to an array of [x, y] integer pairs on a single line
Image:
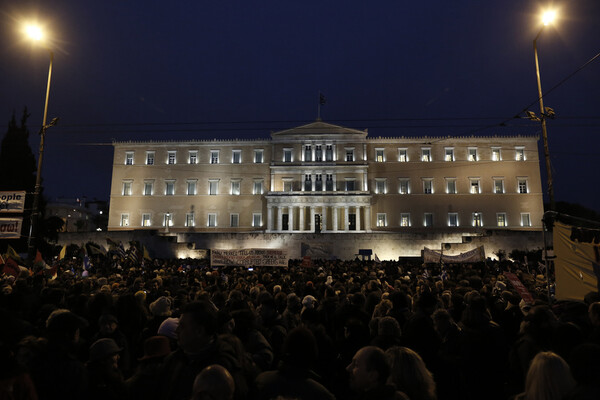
{"points": [[547, 18], [36, 34]]}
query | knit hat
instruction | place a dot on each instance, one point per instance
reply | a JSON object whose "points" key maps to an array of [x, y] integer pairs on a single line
{"points": [[102, 348], [161, 307], [155, 347], [168, 328]]}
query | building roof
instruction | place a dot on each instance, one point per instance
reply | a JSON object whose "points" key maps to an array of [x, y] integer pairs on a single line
{"points": [[319, 128]]}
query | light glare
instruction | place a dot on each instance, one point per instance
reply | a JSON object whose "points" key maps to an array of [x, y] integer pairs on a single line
{"points": [[34, 32], [548, 17]]}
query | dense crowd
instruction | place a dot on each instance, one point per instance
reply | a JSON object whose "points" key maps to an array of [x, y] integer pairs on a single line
{"points": [[179, 329]]}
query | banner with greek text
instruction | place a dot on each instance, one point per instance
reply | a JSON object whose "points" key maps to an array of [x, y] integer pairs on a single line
{"points": [[12, 202], [519, 287], [10, 228], [249, 257], [577, 262], [475, 255]]}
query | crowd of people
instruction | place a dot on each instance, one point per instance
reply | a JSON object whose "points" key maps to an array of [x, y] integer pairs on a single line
{"points": [[181, 329]]}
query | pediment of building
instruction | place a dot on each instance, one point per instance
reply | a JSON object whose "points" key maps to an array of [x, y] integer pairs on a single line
{"points": [[318, 128]]}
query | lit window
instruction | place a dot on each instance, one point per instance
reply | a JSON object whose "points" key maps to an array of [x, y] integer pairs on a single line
{"points": [[329, 183], [501, 219], [381, 220], [212, 220], [213, 187], [129, 158], [472, 151], [124, 219], [452, 219], [402, 155], [214, 156], [171, 157], [380, 186], [193, 157], [191, 187], [329, 153], [403, 186], [189, 219], [307, 152], [477, 219], [496, 155], [520, 153], [256, 220], [149, 158], [234, 220], [236, 156], [405, 219], [525, 219], [379, 155], [235, 187], [426, 154], [498, 185], [449, 154], [451, 185], [169, 188], [168, 219], [307, 183], [475, 189], [318, 182], [427, 186], [146, 220], [148, 188], [522, 182], [287, 155], [258, 156], [127, 188], [428, 220], [350, 155], [258, 187]]}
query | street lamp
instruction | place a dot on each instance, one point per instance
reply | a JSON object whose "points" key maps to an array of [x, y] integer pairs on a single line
{"points": [[35, 33], [547, 18]]}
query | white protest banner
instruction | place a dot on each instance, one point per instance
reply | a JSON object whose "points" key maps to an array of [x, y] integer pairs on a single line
{"points": [[12, 202], [249, 257], [10, 228], [471, 256]]}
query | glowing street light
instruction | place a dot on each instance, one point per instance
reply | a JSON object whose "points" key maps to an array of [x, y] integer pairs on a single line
{"points": [[547, 18], [35, 33]]}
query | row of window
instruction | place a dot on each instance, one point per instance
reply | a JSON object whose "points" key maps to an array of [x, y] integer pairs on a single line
{"points": [[381, 186], [190, 220], [452, 220], [382, 221], [319, 154], [192, 187]]}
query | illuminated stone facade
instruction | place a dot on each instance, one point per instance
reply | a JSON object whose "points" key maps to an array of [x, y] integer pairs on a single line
{"points": [[324, 178]]}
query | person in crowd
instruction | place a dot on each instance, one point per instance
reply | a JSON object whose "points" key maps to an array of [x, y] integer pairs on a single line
{"points": [[105, 378], [294, 377], [146, 381], [369, 372], [409, 374], [548, 378], [15, 382], [585, 368], [213, 382], [109, 328]]}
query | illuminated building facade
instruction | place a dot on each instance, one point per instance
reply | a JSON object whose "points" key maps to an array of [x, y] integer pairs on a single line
{"points": [[324, 178]]}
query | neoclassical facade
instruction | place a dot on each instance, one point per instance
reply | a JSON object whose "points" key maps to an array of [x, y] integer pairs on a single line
{"points": [[325, 178]]}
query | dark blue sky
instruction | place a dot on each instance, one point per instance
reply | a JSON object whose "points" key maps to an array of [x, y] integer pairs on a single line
{"points": [[194, 69]]}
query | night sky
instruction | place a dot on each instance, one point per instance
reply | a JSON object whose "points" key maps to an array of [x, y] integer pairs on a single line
{"points": [[141, 70]]}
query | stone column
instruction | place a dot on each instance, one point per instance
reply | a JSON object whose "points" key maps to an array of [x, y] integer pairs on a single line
{"points": [[291, 218], [324, 218], [368, 218], [334, 183], [279, 219], [301, 212], [357, 208], [346, 219], [312, 218], [269, 218], [334, 211], [313, 181]]}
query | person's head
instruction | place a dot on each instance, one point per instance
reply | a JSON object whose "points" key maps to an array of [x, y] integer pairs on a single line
{"points": [[107, 324], [300, 348], [197, 326], [594, 313], [409, 373], [63, 327], [105, 352], [213, 382], [548, 378], [369, 369]]}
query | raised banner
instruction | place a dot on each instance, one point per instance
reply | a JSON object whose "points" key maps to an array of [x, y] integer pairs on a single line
{"points": [[519, 287], [577, 262], [10, 228], [475, 255], [12, 202], [249, 257]]}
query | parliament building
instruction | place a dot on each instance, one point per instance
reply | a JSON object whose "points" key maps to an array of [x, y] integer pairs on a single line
{"points": [[322, 178]]}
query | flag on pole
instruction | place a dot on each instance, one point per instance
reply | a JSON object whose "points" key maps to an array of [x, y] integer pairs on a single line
{"points": [[146, 253], [86, 263], [11, 268], [377, 259], [322, 99], [63, 252], [12, 253]]}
